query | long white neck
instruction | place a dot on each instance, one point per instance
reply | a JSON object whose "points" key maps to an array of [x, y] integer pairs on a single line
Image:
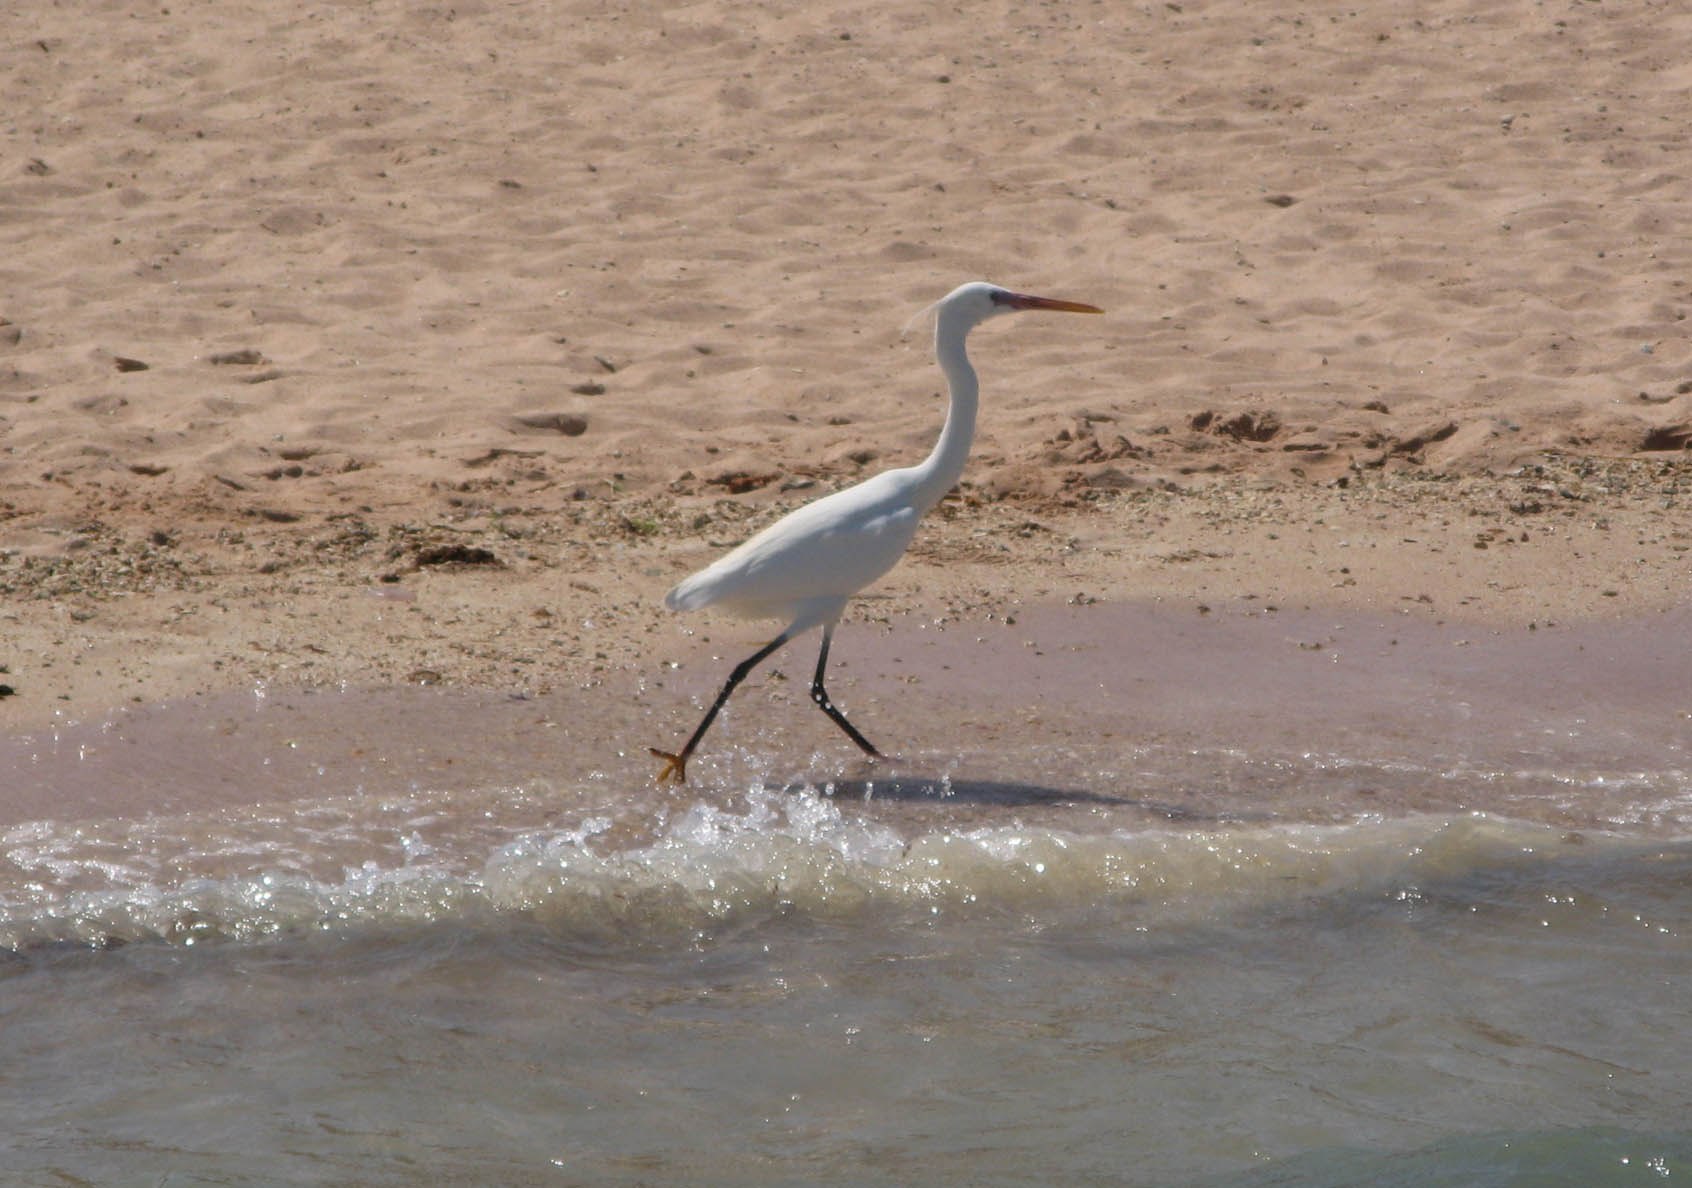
{"points": [[939, 472]]}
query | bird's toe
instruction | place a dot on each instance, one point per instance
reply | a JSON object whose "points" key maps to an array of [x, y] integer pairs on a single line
{"points": [[675, 767]]}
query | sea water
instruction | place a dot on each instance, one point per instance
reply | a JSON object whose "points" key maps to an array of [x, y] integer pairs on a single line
{"points": [[910, 981], [1408, 908]]}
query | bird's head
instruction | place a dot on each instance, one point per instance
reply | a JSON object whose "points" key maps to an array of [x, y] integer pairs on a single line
{"points": [[977, 301]]}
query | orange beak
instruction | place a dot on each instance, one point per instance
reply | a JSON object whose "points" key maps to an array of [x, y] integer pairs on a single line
{"points": [[1024, 301]]}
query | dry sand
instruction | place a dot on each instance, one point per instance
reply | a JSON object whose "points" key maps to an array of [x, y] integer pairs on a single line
{"points": [[376, 344]]}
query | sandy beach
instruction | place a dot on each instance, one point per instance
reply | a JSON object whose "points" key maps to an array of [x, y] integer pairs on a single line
{"points": [[1287, 719], [380, 346]]}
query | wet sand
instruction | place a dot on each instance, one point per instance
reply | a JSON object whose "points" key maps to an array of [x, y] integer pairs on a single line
{"points": [[1032, 709]]}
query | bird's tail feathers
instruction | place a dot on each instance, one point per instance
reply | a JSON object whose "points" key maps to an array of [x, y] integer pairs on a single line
{"points": [[687, 596]]}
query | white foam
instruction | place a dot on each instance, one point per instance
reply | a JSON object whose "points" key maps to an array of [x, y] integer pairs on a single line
{"points": [[475, 857]]}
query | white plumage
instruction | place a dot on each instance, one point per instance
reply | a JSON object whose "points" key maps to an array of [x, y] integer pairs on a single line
{"points": [[803, 568]]}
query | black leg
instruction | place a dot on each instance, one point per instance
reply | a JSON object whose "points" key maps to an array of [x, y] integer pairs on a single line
{"points": [[675, 765], [820, 696]]}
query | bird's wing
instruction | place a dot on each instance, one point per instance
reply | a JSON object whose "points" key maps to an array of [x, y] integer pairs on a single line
{"points": [[833, 547]]}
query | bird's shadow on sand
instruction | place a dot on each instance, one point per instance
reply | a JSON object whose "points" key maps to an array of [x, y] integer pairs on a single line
{"points": [[942, 790]]}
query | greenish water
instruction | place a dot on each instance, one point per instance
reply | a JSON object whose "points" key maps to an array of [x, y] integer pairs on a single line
{"points": [[930, 983]]}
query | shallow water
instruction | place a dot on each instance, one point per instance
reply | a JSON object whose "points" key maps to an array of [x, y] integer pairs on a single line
{"points": [[1159, 963], [785, 987]]}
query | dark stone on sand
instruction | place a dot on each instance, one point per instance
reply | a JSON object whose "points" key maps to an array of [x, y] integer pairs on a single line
{"points": [[569, 424], [455, 554], [738, 482], [1244, 426], [1425, 436], [1251, 426], [1668, 437]]}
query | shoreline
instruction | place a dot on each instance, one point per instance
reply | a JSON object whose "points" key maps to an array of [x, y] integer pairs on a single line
{"points": [[1020, 699], [119, 611]]}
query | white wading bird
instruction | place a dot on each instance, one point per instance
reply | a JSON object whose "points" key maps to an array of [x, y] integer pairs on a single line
{"points": [[806, 565]]}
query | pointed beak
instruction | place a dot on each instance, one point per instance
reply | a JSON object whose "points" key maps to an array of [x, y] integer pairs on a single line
{"points": [[1024, 301]]}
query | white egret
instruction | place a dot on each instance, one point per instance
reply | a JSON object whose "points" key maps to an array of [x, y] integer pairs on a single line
{"points": [[805, 566]]}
